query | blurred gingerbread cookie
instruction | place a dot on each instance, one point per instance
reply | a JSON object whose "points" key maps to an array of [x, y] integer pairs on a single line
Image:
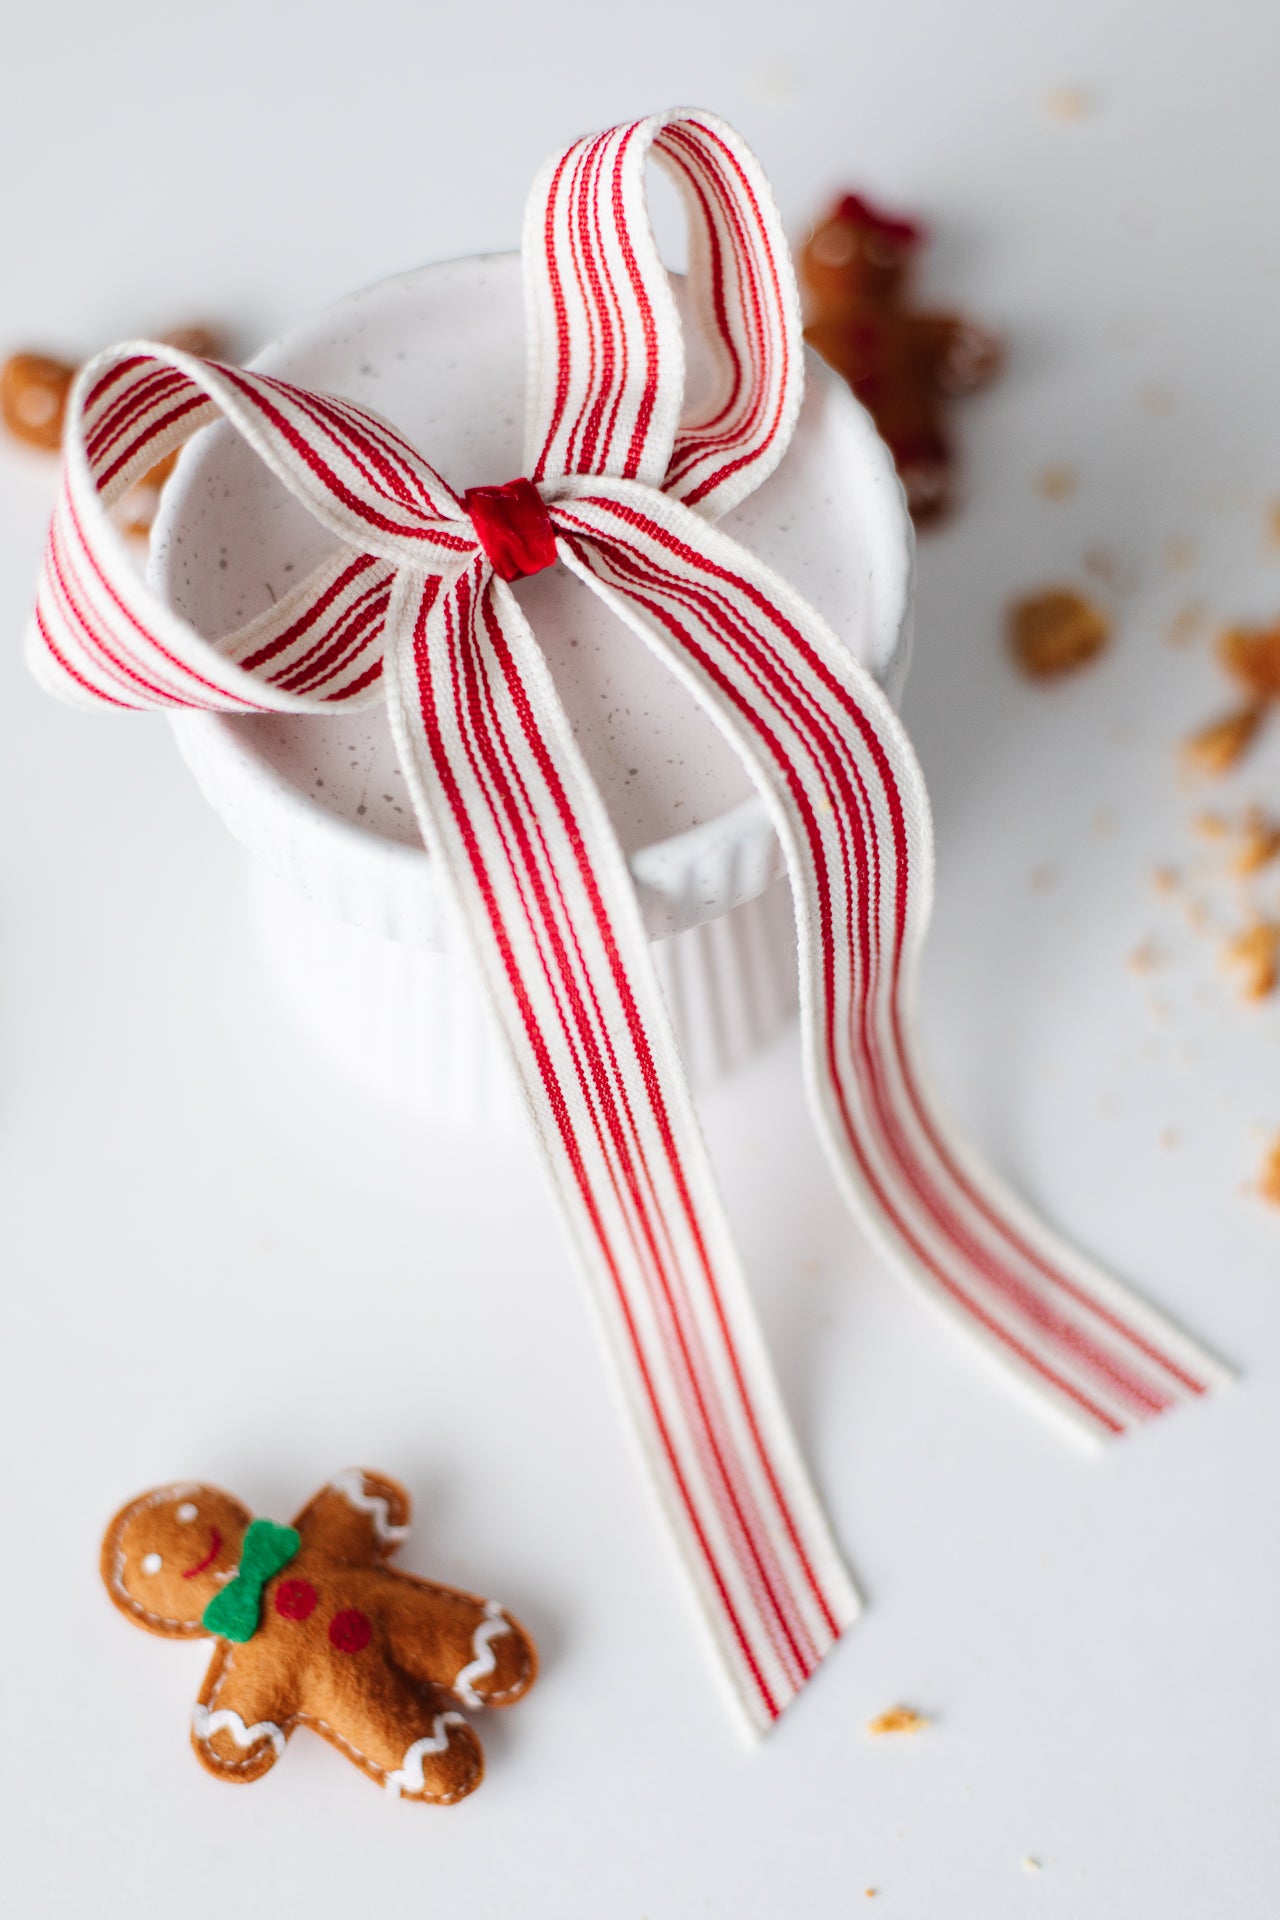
{"points": [[34, 389], [904, 365], [313, 1628]]}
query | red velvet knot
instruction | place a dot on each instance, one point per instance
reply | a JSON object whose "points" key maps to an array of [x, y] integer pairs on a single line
{"points": [[514, 528]]}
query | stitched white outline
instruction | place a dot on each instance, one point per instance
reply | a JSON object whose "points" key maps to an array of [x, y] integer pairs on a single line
{"points": [[483, 1663], [351, 1486], [205, 1723], [409, 1775]]}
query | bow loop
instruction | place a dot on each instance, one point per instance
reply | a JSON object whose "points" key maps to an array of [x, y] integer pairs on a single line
{"points": [[606, 354], [100, 637], [353, 471]]}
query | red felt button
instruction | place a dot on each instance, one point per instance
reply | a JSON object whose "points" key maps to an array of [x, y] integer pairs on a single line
{"points": [[295, 1599], [350, 1630]]}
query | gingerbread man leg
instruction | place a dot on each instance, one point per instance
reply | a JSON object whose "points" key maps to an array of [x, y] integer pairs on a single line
{"points": [[242, 1719], [471, 1648], [405, 1737]]}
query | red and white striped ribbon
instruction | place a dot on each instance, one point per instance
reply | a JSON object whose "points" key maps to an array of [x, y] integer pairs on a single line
{"points": [[414, 607]]}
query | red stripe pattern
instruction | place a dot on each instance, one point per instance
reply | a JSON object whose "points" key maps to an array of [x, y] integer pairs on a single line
{"points": [[606, 355], [409, 608], [830, 756]]}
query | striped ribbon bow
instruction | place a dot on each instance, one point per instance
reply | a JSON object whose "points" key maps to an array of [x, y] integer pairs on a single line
{"points": [[413, 607]]}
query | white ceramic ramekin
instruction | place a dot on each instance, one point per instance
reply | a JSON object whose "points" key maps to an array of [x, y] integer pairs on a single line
{"points": [[354, 922]]}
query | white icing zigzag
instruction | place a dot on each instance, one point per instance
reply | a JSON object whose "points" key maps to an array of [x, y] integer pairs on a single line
{"points": [[408, 1777], [351, 1485], [226, 1720], [484, 1663]]}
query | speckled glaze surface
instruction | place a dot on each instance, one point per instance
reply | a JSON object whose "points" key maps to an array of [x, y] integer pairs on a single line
{"points": [[349, 910]]}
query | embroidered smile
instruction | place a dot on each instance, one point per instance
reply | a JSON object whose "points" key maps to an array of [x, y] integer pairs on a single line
{"points": [[215, 1548]]}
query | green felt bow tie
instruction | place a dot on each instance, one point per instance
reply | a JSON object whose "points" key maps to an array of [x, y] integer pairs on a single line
{"points": [[233, 1613]]}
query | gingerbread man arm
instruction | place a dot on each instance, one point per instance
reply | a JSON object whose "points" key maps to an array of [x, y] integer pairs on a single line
{"points": [[360, 1517], [956, 356], [470, 1648], [243, 1715]]}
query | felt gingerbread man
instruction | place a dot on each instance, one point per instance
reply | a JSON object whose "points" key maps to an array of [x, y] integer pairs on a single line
{"points": [[314, 1629], [903, 365]]}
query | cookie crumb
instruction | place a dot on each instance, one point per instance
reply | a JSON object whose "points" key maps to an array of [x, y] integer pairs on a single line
{"points": [[1068, 104], [1273, 524], [1118, 575], [1166, 879], [33, 398], [1215, 749], [1251, 655], [1055, 632], [1269, 1174], [898, 1720], [1056, 483], [1255, 955], [1145, 957], [1182, 628], [1259, 842], [1170, 1139], [1210, 826], [1031, 1864]]}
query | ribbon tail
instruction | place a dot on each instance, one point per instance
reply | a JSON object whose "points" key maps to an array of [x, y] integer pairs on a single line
{"points": [[833, 763], [543, 892]]}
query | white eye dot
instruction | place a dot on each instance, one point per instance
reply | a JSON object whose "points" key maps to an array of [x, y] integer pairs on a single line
{"points": [[151, 1563], [187, 1511]]}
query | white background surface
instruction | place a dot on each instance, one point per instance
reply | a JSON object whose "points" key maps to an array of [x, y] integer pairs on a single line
{"points": [[222, 1261]]}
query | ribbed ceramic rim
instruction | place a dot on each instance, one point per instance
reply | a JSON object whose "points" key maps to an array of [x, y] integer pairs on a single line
{"points": [[385, 885]]}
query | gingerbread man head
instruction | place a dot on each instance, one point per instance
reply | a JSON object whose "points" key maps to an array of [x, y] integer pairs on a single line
{"points": [[858, 255], [167, 1553], [311, 1627]]}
